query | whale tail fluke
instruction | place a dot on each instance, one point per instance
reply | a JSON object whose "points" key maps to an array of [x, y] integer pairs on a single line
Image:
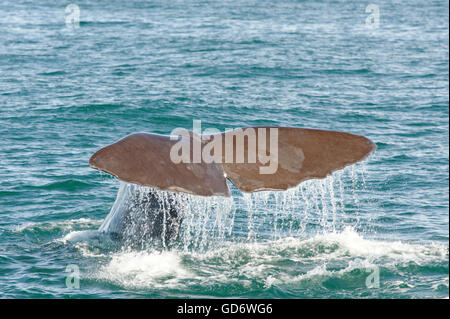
{"points": [[253, 159]]}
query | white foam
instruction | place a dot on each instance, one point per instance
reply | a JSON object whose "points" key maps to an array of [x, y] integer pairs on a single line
{"points": [[80, 235], [143, 269], [272, 262], [349, 241]]}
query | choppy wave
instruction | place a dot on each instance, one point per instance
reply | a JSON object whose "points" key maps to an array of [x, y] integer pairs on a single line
{"points": [[58, 227], [290, 264]]}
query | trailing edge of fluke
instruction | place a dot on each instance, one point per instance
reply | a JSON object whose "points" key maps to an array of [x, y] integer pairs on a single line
{"points": [[302, 154]]}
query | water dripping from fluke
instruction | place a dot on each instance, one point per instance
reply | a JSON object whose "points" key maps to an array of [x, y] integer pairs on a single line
{"points": [[144, 217]]}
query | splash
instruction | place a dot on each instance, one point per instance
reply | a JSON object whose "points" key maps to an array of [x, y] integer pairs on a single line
{"points": [[145, 269], [313, 207], [288, 263]]}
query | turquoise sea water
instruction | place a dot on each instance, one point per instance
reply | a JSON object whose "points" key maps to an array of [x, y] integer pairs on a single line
{"points": [[151, 66]]}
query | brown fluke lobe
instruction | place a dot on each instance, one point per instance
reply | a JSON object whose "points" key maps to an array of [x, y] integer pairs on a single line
{"points": [[302, 154], [144, 159]]}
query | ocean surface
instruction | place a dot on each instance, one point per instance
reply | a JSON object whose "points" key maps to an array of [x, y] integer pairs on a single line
{"points": [[377, 229]]}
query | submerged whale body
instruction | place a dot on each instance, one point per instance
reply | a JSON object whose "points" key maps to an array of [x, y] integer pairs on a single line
{"points": [[147, 160], [140, 215]]}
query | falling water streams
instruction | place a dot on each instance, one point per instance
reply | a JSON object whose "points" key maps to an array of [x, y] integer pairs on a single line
{"points": [[313, 207]]}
